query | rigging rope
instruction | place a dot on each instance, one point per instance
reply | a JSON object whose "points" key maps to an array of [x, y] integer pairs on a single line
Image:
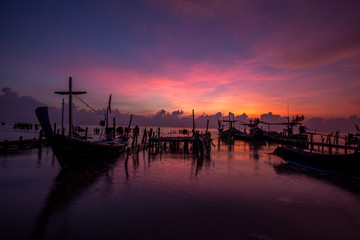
{"points": [[96, 111]]}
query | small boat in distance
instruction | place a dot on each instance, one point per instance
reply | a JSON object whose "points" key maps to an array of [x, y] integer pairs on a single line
{"points": [[339, 164], [254, 134], [75, 152]]}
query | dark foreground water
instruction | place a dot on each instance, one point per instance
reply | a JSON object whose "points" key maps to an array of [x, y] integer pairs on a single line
{"points": [[241, 192]]}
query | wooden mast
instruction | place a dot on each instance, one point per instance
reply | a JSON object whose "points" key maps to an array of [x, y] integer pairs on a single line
{"points": [[70, 108], [62, 117], [70, 93]]}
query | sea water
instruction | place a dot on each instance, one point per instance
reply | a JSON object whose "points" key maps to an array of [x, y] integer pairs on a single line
{"points": [[241, 191]]}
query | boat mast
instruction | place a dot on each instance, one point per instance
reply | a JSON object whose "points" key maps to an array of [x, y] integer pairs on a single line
{"points": [[70, 93], [70, 108], [62, 117]]}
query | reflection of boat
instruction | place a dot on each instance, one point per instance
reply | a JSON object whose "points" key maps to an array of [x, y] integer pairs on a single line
{"points": [[341, 164], [71, 151], [67, 187]]}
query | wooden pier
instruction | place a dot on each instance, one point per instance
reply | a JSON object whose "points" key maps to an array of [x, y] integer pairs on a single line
{"points": [[152, 140], [198, 144], [20, 144], [329, 142]]}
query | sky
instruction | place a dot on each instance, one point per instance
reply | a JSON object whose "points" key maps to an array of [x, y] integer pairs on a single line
{"points": [[253, 57]]}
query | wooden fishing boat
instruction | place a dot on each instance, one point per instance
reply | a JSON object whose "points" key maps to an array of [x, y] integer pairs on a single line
{"points": [[232, 133], [255, 133], [344, 164], [287, 136], [75, 152], [294, 139]]}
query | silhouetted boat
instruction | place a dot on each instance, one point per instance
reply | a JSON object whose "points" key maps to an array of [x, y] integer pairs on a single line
{"points": [[341, 164], [255, 133], [71, 151], [287, 136], [232, 133]]}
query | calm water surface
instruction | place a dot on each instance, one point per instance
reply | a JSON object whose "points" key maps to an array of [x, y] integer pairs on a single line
{"points": [[240, 192]]}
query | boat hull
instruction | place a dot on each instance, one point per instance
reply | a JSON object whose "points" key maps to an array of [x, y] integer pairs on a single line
{"points": [[72, 152], [346, 164], [75, 152], [239, 135]]}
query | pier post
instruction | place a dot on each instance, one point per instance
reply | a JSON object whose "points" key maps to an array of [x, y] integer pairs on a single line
{"points": [[207, 126], [144, 137], [40, 137], [20, 144], [113, 128], [70, 108], [6, 145], [186, 146], [62, 117]]}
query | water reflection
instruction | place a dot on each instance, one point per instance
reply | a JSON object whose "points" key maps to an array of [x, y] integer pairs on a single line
{"points": [[67, 187], [198, 162], [244, 193], [253, 148]]}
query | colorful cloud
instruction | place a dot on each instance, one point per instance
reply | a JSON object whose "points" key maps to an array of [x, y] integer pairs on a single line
{"points": [[212, 56]]}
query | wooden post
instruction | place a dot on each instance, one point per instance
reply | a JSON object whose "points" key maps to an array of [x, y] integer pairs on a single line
{"points": [[131, 117], [113, 128], [207, 126], [86, 132], [144, 137], [150, 135], [126, 162], [62, 117], [20, 144], [193, 116], [40, 137], [133, 142], [70, 108], [6, 144]]}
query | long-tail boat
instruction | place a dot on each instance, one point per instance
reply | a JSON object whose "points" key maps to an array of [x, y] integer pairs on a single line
{"points": [[254, 134], [72, 151], [288, 136], [343, 164]]}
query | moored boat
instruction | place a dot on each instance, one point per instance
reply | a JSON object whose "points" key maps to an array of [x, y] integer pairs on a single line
{"points": [[254, 134], [344, 164], [73, 151], [232, 133]]}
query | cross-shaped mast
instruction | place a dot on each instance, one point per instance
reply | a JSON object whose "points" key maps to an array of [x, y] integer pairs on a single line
{"points": [[70, 93]]}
